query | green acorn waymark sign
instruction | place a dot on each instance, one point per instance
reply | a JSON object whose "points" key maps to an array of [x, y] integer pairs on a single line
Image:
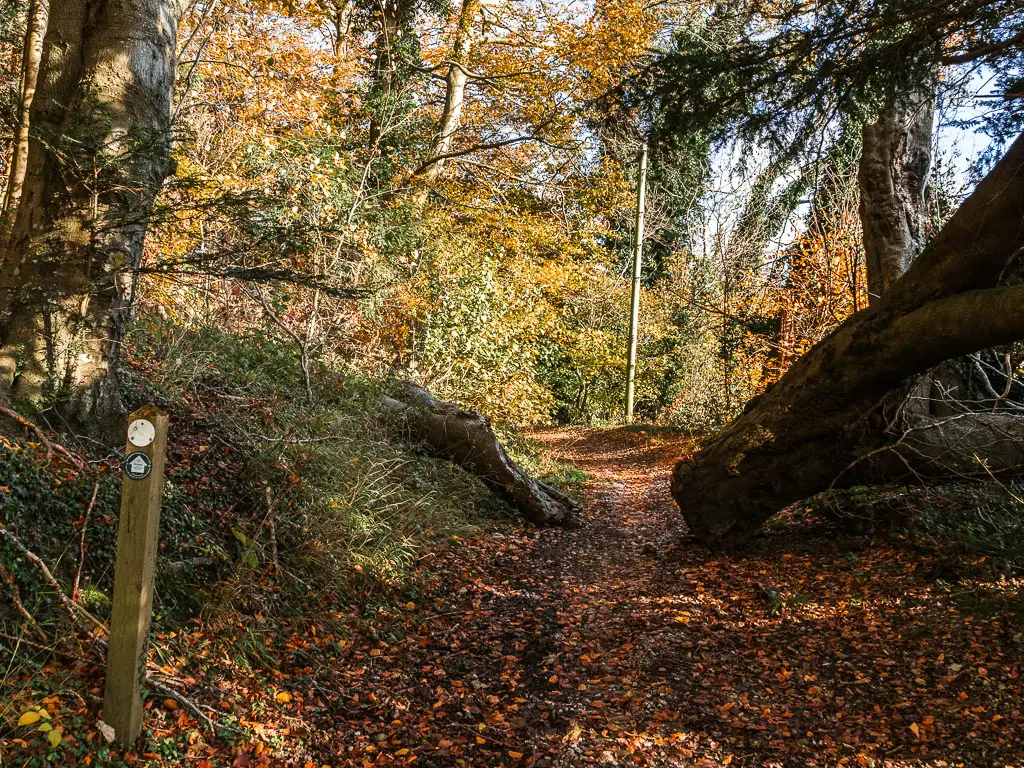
{"points": [[138, 466]]}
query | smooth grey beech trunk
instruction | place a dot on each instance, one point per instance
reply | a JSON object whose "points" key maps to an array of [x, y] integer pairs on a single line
{"points": [[895, 169], [98, 153], [32, 56], [937, 427], [454, 97]]}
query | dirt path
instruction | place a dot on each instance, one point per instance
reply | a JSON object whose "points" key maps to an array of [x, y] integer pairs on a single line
{"points": [[617, 644]]}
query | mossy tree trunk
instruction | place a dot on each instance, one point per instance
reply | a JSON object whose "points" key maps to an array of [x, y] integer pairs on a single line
{"points": [[98, 153], [395, 18]]}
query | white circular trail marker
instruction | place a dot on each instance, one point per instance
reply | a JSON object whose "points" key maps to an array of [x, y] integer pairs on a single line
{"points": [[141, 433]]}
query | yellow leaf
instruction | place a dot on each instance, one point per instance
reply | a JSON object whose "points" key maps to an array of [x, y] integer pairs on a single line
{"points": [[515, 755], [283, 697], [54, 737], [916, 729], [44, 728], [29, 718]]}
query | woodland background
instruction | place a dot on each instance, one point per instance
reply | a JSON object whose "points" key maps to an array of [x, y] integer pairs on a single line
{"points": [[302, 152], [361, 192]]}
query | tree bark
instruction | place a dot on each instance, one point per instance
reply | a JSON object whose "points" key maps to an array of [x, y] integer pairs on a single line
{"points": [[965, 445], [466, 438], [895, 167], [340, 20], [831, 409], [894, 177], [99, 152], [454, 98], [38, 16], [395, 17]]}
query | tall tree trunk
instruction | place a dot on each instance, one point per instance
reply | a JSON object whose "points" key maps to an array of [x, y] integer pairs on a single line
{"points": [[38, 15], [98, 154], [895, 167], [340, 20], [829, 411], [395, 18], [454, 98], [894, 175]]}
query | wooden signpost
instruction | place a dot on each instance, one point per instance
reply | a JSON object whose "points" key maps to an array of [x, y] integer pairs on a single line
{"points": [[143, 482]]}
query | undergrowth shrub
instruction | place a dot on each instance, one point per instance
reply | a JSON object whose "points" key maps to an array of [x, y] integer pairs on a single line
{"points": [[983, 520], [349, 506], [965, 520], [47, 506], [254, 467]]}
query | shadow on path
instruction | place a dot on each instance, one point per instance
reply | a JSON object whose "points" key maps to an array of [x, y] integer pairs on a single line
{"points": [[617, 645]]}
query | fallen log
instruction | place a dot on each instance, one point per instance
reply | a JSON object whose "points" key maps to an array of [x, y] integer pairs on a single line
{"points": [[963, 446], [828, 412], [466, 439]]}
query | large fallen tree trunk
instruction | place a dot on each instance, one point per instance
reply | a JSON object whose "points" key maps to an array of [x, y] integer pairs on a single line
{"points": [[967, 445], [466, 438], [834, 407]]}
